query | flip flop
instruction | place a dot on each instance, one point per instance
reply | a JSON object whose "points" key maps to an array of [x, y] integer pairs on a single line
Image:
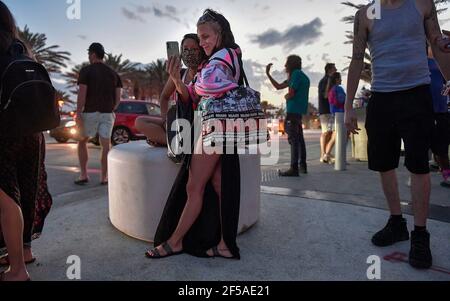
{"points": [[81, 182], [216, 253], [6, 258], [154, 254]]}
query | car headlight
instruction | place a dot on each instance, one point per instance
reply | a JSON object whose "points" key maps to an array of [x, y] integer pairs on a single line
{"points": [[70, 124]]}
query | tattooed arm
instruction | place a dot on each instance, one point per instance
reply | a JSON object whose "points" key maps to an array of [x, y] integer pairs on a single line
{"points": [[434, 35], [356, 67]]}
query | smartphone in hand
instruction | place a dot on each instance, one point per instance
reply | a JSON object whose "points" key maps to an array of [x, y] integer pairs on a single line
{"points": [[173, 49]]}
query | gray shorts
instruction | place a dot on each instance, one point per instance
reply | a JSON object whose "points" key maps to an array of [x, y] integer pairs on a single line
{"points": [[97, 123]]}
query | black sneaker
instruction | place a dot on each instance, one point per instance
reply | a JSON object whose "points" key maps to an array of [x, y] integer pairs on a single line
{"points": [[303, 169], [289, 173], [394, 231], [420, 253]]}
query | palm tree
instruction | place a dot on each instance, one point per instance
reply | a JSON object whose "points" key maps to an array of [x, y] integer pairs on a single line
{"points": [[158, 77], [123, 67], [280, 113], [128, 71], [65, 99], [49, 56], [366, 74]]}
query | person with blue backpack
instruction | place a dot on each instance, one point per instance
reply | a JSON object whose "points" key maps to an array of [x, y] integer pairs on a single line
{"points": [[336, 94], [336, 99]]}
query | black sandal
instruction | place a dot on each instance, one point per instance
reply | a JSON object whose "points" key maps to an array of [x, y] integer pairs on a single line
{"points": [[81, 182], [154, 253], [216, 253]]}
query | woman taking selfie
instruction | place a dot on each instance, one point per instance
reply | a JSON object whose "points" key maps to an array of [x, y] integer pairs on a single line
{"points": [[202, 213]]}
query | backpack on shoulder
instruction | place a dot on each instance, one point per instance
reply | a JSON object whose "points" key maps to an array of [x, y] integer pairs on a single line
{"points": [[28, 103]]}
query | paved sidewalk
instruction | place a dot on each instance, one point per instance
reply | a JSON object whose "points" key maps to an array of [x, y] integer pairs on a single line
{"points": [[296, 239], [316, 227]]}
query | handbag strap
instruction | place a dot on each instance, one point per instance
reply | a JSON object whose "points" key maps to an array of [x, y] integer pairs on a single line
{"points": [[243, 77]]}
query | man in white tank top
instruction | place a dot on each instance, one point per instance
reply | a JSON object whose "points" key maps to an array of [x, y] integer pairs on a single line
{"points": [[400, 108]]}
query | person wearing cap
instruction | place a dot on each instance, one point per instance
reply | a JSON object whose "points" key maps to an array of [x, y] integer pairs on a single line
{"points": [[98, 98]]}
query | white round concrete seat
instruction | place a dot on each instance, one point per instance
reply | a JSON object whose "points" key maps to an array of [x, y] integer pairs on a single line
{"points": [[140, 180]]}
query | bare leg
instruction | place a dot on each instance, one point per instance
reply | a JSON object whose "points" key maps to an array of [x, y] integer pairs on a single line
{"points": [[217, 183], [12, 226], [152, 128], [83, 157], [324, 140], [202, 169], [420, 193], [331, 144], [106, 146], [390, 188]]}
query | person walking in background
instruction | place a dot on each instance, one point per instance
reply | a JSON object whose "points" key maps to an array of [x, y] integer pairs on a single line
{"points": [[441, 133], [98, 98], [400, 108], [154, 128], [326, 118], [297, 106]]}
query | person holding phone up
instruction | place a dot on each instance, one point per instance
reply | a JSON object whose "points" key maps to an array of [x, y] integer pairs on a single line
{"points": [[192, 55], [202, 213]]}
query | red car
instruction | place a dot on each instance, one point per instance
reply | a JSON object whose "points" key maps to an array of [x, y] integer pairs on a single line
{"points": [[124, 130]]}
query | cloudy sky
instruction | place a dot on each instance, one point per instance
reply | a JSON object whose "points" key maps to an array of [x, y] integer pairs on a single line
{"points": [[267, 31]]}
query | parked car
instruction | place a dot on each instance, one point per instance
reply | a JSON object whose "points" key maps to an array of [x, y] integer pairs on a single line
{"points": [[124, 129], [66, 130], [128, 111]]}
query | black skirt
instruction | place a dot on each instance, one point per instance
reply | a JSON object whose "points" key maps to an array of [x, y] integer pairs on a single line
{"points": [[206, 231], [24, 179]]}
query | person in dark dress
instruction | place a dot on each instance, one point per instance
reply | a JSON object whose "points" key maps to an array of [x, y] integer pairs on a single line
{"points": [[24, 197], [33, 221], [202, 212]]}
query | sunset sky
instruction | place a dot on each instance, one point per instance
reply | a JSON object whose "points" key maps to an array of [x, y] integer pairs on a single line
{"points": [[267, 31]]}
